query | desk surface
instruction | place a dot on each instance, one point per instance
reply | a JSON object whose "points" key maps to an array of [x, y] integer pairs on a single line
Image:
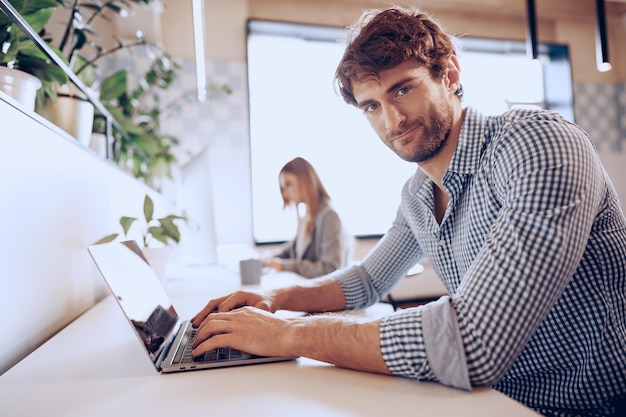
{"points": [[96, 367]]}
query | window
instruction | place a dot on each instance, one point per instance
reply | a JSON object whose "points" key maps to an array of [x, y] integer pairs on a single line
{"points": [[295, 111]]}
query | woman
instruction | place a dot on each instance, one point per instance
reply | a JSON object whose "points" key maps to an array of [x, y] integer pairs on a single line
{"points": [[321, 244]]}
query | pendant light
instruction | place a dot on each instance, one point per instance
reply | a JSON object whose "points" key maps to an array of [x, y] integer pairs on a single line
{"points": [[198, 31], [531, 30], [602, 47]]}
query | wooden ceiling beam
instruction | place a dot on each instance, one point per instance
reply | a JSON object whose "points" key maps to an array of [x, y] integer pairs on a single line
{"points": [[546, 9]]}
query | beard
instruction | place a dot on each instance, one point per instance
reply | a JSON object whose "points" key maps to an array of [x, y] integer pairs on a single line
{"points": [[435, 130]]}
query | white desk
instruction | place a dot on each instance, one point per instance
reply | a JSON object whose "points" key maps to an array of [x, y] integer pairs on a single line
{"points": [[96, 367]]}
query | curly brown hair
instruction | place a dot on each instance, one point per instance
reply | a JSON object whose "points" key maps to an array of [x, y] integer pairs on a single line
{"points": [[381, 40]]}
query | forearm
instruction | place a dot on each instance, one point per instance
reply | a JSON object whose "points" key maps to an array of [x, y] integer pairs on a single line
{"points": [[317, 295], [285, 251], [347, 342], [310, 269]]}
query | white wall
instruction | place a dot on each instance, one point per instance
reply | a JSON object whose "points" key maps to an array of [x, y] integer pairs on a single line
{"points": [[57, 198]]}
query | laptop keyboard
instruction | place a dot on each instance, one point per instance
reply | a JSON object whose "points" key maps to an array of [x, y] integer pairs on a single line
{"points": [[219, 354]]}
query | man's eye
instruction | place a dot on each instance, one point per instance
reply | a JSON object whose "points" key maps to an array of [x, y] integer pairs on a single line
{"points": [[370, 107], [403, 91]]}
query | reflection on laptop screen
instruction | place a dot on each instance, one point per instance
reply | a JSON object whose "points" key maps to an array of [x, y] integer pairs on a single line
{"points": [[138, 291]]}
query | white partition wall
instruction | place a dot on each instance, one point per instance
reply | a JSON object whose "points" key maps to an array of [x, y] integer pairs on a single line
{"points": [[56, 198]]}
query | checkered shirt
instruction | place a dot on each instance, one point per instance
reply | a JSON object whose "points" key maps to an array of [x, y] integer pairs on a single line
{"points": [[532, 252]]}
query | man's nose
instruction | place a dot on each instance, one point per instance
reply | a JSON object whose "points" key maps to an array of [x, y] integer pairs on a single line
{"points": [[394, 117]]}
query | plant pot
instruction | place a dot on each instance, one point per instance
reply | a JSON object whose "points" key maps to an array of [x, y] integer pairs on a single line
{"points": [[99, 144], [20, 85], [157, 258], [72, 114]]}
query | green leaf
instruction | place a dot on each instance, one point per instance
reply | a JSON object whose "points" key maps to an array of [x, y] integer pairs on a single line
{"points": [[113, 86], [114, 7], [158, 234], [126, 124], [126, 222], [148, 208], [80, 39], [45, 71], [54, 73], [82, 68], [38, 19], [169, 228], [145, 142], [30, 6], [107, 239]]}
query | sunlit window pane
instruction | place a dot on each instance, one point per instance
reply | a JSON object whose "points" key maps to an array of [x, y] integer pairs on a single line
{"points": [[294, 111]]}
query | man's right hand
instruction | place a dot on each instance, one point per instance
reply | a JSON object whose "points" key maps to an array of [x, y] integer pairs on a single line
{"points": [[261, 300]]}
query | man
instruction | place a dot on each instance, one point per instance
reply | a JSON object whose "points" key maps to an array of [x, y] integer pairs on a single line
{"points": [[517, 217]]}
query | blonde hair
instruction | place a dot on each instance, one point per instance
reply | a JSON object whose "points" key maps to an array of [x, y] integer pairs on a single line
{"points": [[313, 192]]}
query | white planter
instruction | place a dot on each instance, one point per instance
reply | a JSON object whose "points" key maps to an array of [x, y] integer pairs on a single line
{"points": [[20, 85], [72, 114], [99, 144]]}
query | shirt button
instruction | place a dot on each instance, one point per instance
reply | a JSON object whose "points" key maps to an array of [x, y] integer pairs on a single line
{"points": [[442, 243]]}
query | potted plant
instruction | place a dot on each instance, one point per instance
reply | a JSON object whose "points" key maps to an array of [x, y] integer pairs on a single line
{"points": [[79, 46], [83, 47], [140, 146], [163, 231], [19, 53]]}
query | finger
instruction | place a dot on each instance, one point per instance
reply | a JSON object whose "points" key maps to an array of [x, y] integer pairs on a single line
{"points": [[236, 300], [200, 316], [229, 303], [263, 305], [209, 328], [217, 341], [208, 309]]}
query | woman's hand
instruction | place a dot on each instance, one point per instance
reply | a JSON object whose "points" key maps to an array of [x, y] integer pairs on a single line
{"points": [[273, 263]]}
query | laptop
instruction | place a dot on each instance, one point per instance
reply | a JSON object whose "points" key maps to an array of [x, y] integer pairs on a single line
{"points": [[164, 337]]}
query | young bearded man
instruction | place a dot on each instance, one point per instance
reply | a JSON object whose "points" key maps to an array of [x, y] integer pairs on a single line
{"points": [[515, 213]]}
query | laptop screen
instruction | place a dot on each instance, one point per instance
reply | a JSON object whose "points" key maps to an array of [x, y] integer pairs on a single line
{"points": [[138, 291]]}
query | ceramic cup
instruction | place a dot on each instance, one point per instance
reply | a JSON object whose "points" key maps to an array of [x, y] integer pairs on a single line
{"points": [[250, 271]]}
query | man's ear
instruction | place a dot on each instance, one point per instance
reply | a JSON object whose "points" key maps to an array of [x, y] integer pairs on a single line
{"points": [[452, 76]]}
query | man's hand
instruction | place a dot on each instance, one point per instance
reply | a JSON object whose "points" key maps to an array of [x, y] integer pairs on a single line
{"points": [[243, 320], [247, 328], [263, 301], [350, 342]]}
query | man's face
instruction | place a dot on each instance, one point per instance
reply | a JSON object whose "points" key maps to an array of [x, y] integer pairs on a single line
{"points": [[409, 111]]}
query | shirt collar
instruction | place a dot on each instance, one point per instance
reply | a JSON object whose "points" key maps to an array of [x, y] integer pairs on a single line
{"points": [[471, 144], [468, 153]]}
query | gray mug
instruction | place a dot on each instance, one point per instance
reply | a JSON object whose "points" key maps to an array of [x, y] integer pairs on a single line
{"points": [[250, 271]]}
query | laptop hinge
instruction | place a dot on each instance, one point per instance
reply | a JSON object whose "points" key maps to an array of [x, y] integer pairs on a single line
{"points": [[167, 346]]}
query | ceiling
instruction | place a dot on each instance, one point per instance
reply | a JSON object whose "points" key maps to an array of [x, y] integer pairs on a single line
{"points": [[550, 9]]}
